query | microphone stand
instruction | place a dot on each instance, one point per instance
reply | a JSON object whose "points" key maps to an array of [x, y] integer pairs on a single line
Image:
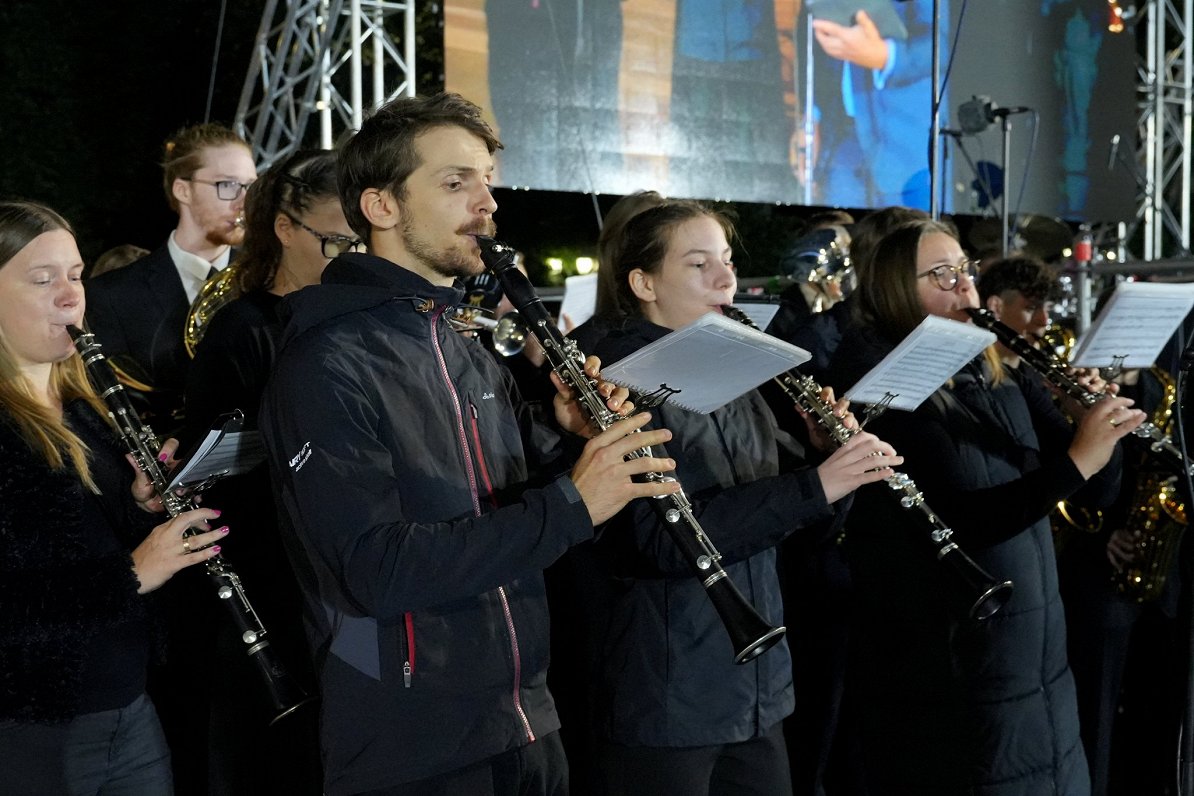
{"points": [[1006, 157], [1186, 599], [807, 122], [935, 122]]}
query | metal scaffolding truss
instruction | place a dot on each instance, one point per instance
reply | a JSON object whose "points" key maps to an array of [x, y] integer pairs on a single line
{"points": [[310, 58], [1163, 129]]}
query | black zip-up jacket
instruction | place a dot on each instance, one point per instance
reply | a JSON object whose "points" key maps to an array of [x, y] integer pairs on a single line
{"points": [[949, 705], [401, 455], [665, 669]]}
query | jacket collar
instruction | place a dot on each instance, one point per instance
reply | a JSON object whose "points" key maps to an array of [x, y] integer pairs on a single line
{"points": [[355, 281]]}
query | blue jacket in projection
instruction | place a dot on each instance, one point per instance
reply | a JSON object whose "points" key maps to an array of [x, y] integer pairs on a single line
{"points": [[891, 111]]}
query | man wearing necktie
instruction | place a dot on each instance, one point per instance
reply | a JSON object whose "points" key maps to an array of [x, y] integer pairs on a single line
{"points": [[138, 313]]}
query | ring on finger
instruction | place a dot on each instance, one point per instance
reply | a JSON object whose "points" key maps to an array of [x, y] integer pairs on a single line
{"points": [[186, 545]]}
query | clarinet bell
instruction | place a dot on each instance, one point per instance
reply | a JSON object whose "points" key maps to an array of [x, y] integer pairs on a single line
{"points": [[750, 634]]}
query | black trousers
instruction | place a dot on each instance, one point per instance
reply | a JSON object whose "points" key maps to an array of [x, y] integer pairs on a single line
{"points": [[758, 767], [538, 769]]}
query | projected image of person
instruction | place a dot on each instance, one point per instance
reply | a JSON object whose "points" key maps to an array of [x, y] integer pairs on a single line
{"points": [[872, 99], [727, 99], [1075, 70], [553, 82]]}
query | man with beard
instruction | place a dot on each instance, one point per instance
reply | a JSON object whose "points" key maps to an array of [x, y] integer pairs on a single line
{"points": [[139, 312], [420, 498]]}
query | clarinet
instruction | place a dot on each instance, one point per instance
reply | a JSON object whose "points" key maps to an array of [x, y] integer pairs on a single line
{"points": [[990, 594], [1160, 444], [285, 694], [750, 634]]}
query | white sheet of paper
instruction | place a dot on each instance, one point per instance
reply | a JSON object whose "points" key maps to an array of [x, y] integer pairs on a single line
{"points": [[221, 455], [1135, 324], [710, 362], [925, 359], [580, 299]]}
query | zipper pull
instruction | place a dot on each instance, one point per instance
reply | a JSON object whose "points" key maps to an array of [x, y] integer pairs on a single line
{"points": [[406, 671]]}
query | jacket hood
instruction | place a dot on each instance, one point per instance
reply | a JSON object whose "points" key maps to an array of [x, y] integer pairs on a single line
{"points": [[353, 282]]}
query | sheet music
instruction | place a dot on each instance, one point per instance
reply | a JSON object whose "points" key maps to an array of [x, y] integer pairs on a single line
{"points": [[927, 358], [1134, 325], [580, 299], [710, 362], [220, 454], [760, 312]]}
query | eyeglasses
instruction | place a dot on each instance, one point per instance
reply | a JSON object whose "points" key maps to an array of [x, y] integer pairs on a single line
{"points": [[946, 276], [331, 245], [228, 190]]}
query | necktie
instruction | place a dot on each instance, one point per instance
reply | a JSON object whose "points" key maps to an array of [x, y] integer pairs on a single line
{"points": [[211, 272]]}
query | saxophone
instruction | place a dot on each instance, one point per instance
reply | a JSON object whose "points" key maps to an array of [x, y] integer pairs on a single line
{"points": [[1158, 514]]}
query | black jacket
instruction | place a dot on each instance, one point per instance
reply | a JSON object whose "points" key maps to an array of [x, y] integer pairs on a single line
{"points": [[138, 313], [56, 593], [400, 454], [665, 674], [949, 705]]}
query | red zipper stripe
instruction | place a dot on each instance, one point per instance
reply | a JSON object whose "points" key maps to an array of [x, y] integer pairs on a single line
{"points": [[526, 724], [481, 456], [408, 668]]}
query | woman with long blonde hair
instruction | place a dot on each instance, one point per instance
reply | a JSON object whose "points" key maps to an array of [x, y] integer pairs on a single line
{"points": [[78, 544]]}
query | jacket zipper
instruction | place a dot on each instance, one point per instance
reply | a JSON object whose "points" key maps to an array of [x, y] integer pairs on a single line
{"points": [[472, 482], [481, 454], [460, 432], [408, 666]]}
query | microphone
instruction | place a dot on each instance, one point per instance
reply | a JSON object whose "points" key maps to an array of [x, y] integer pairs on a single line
{"points": [[1112, 151], [996, 112], [979, 112]]}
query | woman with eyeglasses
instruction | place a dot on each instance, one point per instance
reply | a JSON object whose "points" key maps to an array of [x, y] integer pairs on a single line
{"points": [[947, 704], [81, 547], [293, 227]]}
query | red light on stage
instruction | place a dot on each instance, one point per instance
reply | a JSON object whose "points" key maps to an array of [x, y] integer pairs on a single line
{"points": [[1115, 22]]}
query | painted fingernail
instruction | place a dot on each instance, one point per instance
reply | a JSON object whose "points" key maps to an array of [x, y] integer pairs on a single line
{"points": [[217, 512], [163, 456], [222, 530], [215, 548]]}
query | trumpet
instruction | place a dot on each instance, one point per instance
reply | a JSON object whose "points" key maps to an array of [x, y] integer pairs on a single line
{"points": [[510, 333], [750, 634], [284, 693], [989, 593], [1159, 444]]}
